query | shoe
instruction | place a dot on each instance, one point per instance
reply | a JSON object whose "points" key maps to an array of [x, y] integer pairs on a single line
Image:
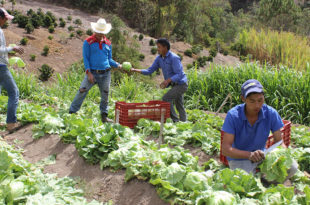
{"points": [[12, 127], [104, 118]]}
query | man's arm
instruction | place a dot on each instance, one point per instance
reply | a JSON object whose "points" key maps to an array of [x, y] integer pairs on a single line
{"points": [[234, 153], [111, 61], [150, 70], [86, 55], [229, 151], [277, 136]]}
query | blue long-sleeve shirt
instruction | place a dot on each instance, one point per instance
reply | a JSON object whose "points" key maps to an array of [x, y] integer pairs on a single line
{"points": [[171, 66], [97, 59]]}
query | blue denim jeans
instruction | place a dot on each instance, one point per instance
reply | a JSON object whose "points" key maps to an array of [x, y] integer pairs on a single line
{"points": [[7, 82], [103, 81]]}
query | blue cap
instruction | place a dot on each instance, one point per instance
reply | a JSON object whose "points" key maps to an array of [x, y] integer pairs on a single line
{"points": [[251, 86]]}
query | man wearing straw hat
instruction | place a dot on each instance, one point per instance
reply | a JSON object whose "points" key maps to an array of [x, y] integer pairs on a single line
{"points": [[97, 55], [6, 78]]}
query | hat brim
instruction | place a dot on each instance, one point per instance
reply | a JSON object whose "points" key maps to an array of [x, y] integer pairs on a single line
{"points": [[253, 90], [96, 30]]}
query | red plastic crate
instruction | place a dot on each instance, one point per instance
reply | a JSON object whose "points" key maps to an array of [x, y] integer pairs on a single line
{"points": [[130, 113], [286, 136]]}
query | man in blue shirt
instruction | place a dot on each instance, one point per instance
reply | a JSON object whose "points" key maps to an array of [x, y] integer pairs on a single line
{"points": [[97, 56], [247, 127], [174, 76]]}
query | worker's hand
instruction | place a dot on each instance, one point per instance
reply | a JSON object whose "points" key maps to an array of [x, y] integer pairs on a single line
{"points": [[18, 49], [165, 83], [257, 156], [135, 70], [120, 66], [91, 78]]}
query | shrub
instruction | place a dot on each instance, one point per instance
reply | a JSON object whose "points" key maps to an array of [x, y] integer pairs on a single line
{"points": [[36, 20], [188, 53], [196, 49], [141, 57], [32, 57], [24, 41], [189, 66], [135, 36], [30, 12], [45, 72], [210, 58], [47, 21], [78, 22], [69, 18], [70, 28], [29, 28], [225, 52], [50, 37], [152, 42], [50, 14], [62, 24], [71, 35], [141, 37], [202, 61], [213, 52], [89, 32], [22, 21], [79, 32], [51, 29], [45, 51], [153, 50]]}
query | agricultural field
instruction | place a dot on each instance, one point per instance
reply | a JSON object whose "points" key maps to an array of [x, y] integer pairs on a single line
{"points": [[178, 175]]}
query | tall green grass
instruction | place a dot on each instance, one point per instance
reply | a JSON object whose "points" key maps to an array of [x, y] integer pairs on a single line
{"points": [[286, 90], [275, 47]]}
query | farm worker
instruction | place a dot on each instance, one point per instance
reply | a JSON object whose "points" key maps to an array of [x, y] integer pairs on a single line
{"points": [[247, 127], [6, 78], [98, 62], [174, 76]]}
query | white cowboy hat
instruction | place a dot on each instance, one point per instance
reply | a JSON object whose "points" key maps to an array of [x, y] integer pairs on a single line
{"points": [[101, 26]]}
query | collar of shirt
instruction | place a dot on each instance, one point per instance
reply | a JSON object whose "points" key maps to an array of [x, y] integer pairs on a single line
{"points": [[261, 114], [92, 39], [167, 54]]}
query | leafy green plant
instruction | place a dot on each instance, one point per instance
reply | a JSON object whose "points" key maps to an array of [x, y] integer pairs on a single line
{"points": [[50, 37], [188, 52], [154, 50], [32, 57], [152, 42], [45, 50], [24, 41], [51, 29], [141, 37], [79, 32], [62, 24], [69, 18], [77, 22], [29, 28], [70, 28], [72, 35], [213, 52], [141, 57], [89, 32], [45, 72]]}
